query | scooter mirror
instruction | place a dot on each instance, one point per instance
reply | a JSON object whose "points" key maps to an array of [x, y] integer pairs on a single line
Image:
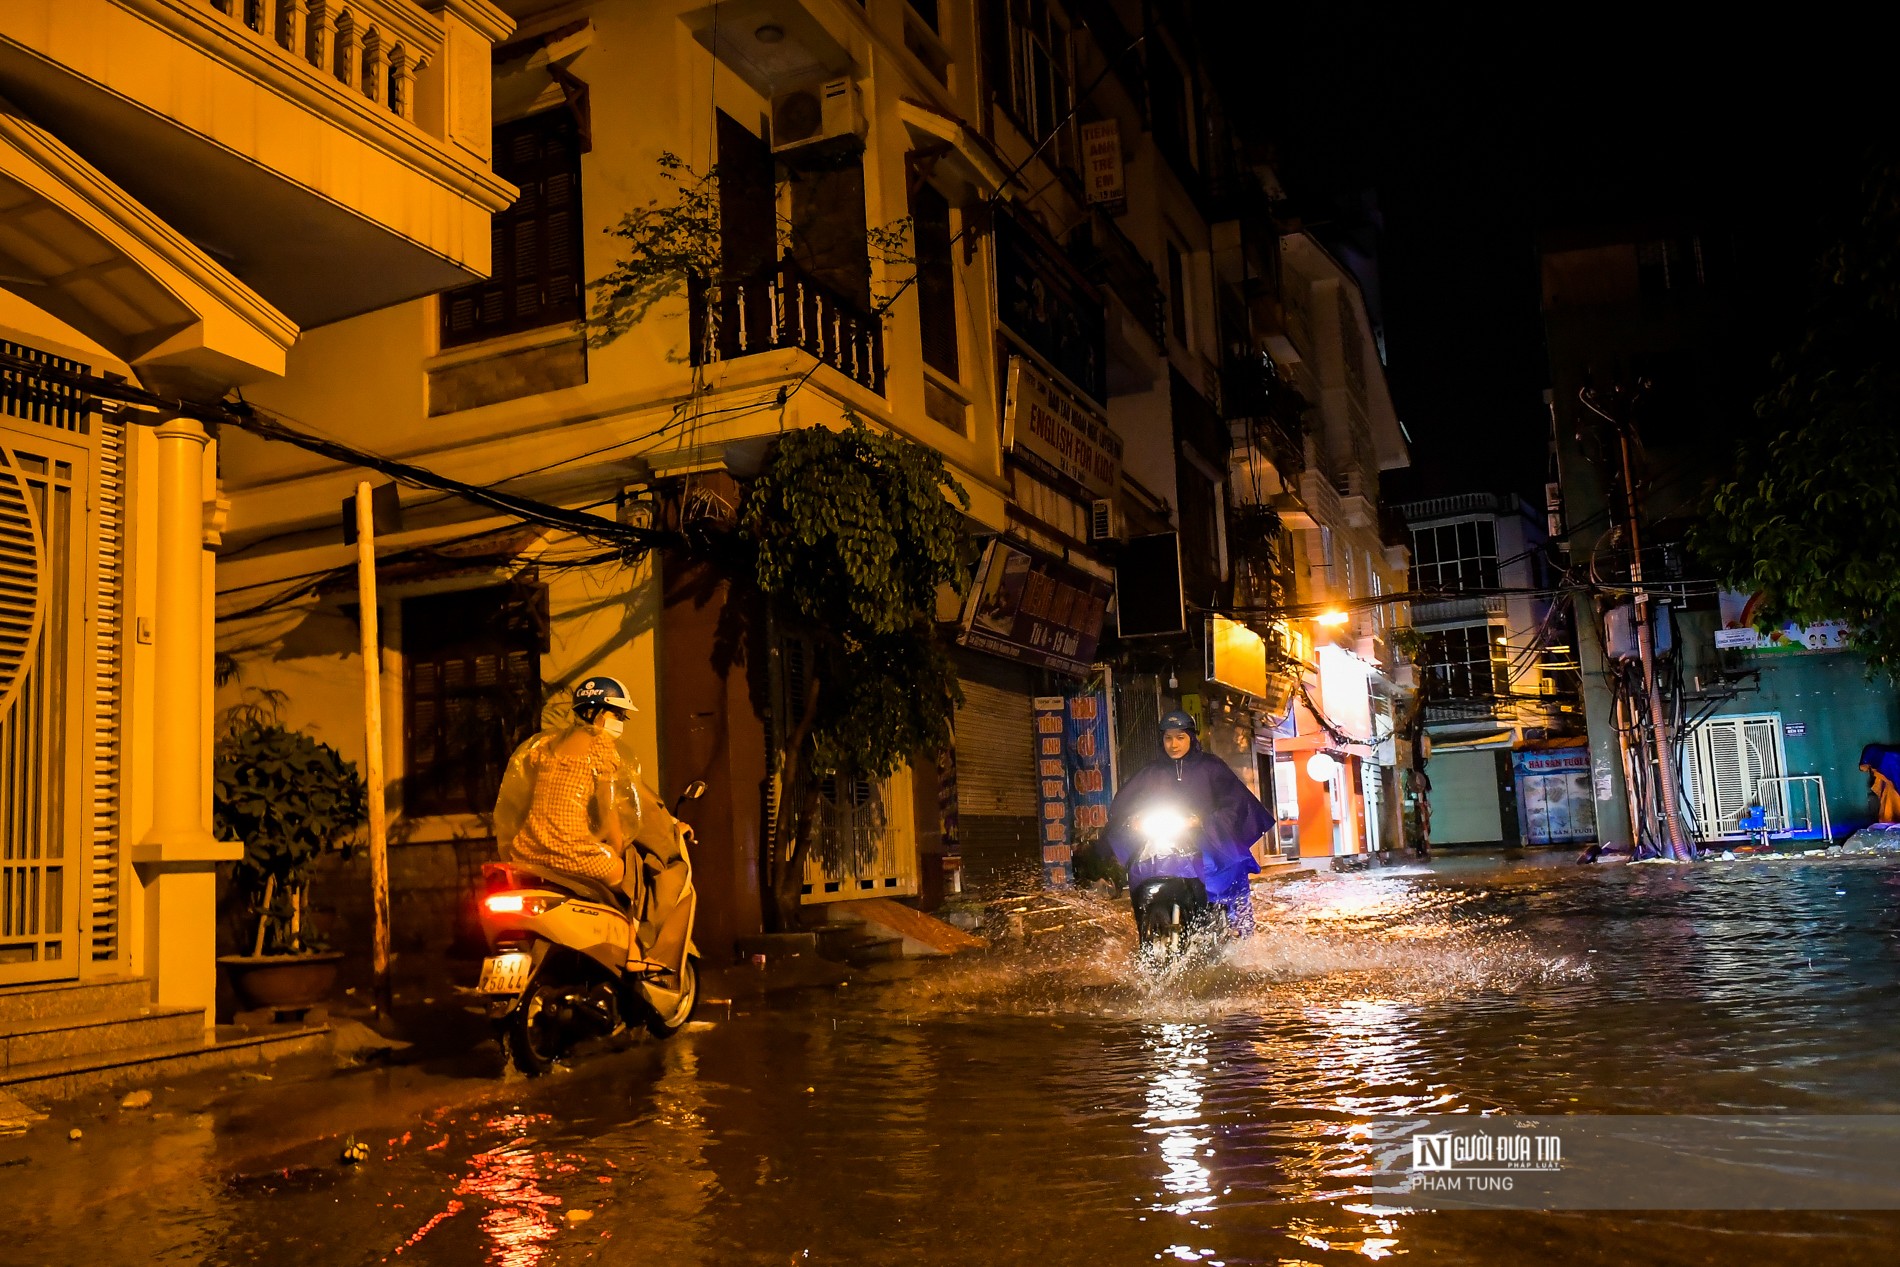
{"points": [[694, 790]]}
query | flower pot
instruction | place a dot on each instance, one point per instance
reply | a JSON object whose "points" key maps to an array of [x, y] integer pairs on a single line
{"points": [[282, 983]]}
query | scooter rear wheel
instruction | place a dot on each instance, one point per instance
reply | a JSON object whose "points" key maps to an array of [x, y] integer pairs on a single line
{"points": [[667, 1026], [536, 1037]]}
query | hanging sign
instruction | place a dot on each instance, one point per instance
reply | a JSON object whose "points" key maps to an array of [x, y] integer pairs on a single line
{"points": [[1102, 163], [1048, 424], [1029, 608], [1052, 789]]}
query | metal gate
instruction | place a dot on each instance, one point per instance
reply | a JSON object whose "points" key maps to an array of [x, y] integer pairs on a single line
{"points": [[1723, 765], [46, 589]]}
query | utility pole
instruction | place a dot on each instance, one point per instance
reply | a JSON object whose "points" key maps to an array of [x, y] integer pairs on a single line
{"points": [[365, 534], [1677, 840]]}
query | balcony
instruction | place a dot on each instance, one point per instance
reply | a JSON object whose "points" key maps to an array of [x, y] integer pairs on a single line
{"points": [[1454, 712], [786, 307], [1107, 258], [333, 156]]}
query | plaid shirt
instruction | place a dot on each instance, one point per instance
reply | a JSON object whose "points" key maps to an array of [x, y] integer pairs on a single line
{"points": [[561, 829]]}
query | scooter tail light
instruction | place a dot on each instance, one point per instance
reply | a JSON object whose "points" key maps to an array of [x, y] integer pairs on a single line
{"points": [[505, 903]]}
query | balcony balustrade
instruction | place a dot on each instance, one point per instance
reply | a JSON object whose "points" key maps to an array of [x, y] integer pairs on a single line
{"points": [[786, 307], [373, 47]]}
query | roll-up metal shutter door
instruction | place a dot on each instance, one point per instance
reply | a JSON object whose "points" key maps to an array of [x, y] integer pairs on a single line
{"points": [[996, 753]]}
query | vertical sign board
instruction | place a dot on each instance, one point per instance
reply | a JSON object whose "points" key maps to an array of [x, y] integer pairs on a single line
{"points": [[1102, 164], [1091, 779], [1052, 789]]}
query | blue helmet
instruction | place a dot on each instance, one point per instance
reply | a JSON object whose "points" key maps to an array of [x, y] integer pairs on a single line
{"points": [[597, 693], [1178, 720]]}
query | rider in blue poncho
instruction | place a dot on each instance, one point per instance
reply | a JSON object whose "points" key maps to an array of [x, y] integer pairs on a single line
{"points": [[1194, 782]]}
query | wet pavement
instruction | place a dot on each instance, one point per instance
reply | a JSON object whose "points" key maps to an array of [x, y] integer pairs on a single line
{"points": [[1053, 1104]]}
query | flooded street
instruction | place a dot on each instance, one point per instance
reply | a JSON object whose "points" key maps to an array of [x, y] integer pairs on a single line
{"points": [[1052, 1105]]}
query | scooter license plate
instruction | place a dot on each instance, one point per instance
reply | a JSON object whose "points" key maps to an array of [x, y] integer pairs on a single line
{"points": [[506, 974]]}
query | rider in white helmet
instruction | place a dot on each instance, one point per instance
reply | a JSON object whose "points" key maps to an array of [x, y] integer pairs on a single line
{"points": [[572, 801]]}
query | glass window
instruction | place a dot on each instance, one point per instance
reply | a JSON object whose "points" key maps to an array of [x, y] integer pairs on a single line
{"points": [[1458, 556]]}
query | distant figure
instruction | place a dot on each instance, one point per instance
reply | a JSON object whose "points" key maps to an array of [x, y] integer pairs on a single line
{"points": [[1882, 762]]}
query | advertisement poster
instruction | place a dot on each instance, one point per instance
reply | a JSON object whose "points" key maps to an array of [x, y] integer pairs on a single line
{"points": [[1036, 610], [1052, 788], [1738, 632], [1555, 797]]}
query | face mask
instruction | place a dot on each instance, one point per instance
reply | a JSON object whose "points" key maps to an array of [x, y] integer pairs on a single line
{"points": [[613, 724]]}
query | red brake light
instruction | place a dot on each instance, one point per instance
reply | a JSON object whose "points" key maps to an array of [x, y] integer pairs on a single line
{"points": [[504, 903]]}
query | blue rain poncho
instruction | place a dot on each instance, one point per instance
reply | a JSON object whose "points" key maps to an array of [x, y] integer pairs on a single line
{"points": [[1200, 783]]}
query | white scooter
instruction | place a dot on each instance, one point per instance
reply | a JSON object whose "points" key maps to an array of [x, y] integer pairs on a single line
{"points": [[559, 971]]}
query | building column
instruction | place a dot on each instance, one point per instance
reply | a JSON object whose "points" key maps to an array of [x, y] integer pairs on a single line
{"points": [[177, 859]]}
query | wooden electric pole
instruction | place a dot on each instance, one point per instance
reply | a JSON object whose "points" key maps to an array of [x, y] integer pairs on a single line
{"points": [[373, 736]]}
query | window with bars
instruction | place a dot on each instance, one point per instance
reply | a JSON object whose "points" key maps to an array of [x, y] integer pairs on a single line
{"points": [[472, 692], [1468, 662], [536, 276], [1460, 556], [936, 279]]}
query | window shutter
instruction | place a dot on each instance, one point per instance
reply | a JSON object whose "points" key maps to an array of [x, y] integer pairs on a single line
{"points": [[535, 279]]}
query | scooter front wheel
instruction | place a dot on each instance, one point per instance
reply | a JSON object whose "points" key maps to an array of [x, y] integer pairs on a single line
{"points": [[536, 1036]]}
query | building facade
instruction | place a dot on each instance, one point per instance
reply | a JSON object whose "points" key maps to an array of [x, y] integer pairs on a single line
{"points": [[1773, 724], [1496, 666], [186, 188]]}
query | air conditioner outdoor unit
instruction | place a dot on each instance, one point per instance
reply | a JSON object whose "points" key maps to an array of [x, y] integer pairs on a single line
{"points": [[816, 113], [1105, 522]]}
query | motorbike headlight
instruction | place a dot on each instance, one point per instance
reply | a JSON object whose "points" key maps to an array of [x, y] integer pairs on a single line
{"points": [[1163, 826]]}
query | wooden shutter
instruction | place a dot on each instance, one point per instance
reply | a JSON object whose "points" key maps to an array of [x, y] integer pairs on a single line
{"points": [[936, 279], [472, 692], [536, 243]]}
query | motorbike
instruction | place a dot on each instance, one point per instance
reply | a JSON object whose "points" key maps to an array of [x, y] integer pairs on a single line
{"points": [[558, 970], [1169, 910]]}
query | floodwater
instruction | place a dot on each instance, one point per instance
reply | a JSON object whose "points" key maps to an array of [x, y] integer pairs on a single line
{"points": [[1052, 1104]]}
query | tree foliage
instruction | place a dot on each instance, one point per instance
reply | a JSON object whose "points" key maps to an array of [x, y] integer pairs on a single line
{"points": [[851, 533], [666, 244], [1809, 513]]}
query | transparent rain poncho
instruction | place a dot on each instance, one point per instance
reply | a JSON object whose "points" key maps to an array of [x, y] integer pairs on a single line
{"points": [[584, 809], [571, 810]]}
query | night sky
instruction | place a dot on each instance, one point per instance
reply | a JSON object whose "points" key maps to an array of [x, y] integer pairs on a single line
{"points": [[1471, 132]]}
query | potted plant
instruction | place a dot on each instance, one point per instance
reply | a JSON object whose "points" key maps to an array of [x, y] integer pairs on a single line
{"points": [[289, 799]]}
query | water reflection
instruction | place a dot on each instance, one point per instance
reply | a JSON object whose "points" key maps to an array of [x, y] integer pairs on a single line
{"points": [[1176, 1088], [519, 1219]]}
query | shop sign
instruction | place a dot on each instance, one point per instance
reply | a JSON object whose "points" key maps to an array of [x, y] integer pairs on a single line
{"points": [[1555, 796], [1102, 163], [1052, 790], [1030, 608], [1041, 420], [1738, 632]]}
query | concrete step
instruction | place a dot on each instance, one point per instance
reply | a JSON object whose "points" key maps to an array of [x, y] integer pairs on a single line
{"points": [[71, 1076], [29, 1042], [871, 950], [921, 934], [19, 1004]]}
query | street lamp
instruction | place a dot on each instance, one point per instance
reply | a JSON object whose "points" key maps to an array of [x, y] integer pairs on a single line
{"points": [[1334, 619]]}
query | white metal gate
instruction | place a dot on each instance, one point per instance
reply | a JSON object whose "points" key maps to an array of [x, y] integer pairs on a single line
{"points": [[1723, 765], [46, 591]]}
